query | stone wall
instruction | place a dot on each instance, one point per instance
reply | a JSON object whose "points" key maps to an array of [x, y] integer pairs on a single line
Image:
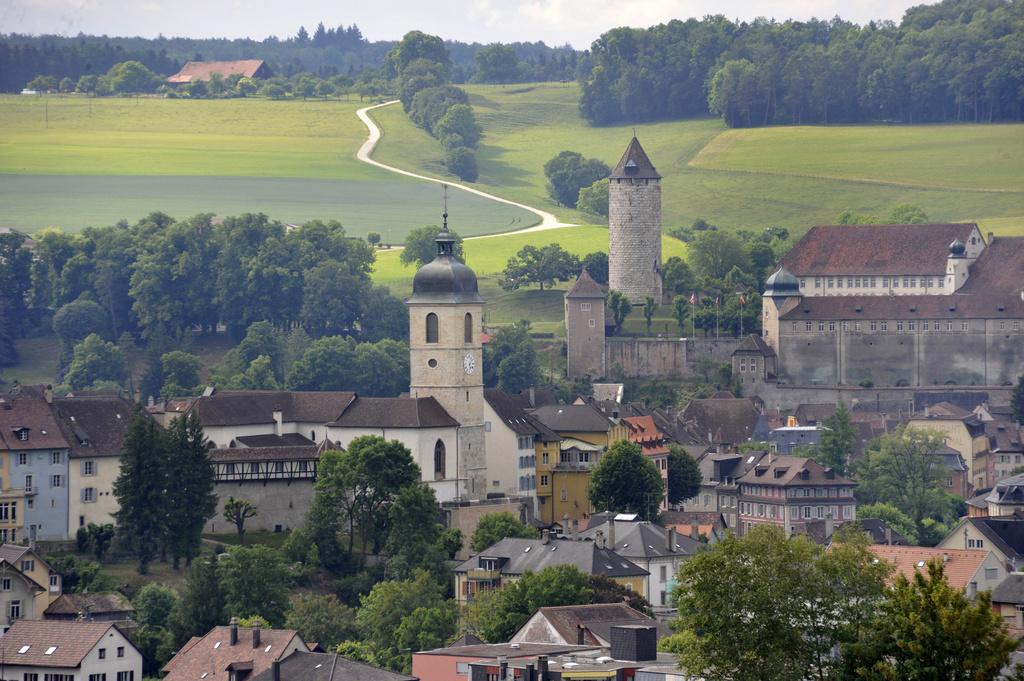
{"points": [[465, 516], [981, 355], [789, 397], [277, 502], [664, 357], [634, 238]]}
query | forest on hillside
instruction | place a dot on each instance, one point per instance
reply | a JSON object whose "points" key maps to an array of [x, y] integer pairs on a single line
{"points": [[325, 52], [959, 60]]}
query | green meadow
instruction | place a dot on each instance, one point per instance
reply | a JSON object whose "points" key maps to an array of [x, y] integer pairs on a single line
{"points": [[74, 161], [789, 176]]}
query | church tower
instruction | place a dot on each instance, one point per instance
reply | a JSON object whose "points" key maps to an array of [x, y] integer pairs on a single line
{"points": [[634, 226], [446, 353]]}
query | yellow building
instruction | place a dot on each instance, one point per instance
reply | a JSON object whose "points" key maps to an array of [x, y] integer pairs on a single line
{"points": [[963, 431], [12, 501], [507, 560], [31, 565], [563, 475]]}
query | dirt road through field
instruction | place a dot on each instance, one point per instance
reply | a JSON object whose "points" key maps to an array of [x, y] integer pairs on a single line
{"points": [[547, 220]]}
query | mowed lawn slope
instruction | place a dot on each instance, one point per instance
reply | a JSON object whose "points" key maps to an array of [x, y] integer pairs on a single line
{"points": [[789, 176], [72, 162]]}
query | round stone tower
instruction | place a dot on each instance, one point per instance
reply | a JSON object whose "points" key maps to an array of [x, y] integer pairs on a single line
{"points": [[634, 226]]}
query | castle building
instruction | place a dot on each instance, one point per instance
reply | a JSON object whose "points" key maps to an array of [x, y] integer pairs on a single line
{"points": [[584, 327], [634, 226], [897, 305], [446, 359]]}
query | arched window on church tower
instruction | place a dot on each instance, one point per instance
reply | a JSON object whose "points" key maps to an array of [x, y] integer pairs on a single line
{"points": [[439, 460], [431, 328], [468, 328]]}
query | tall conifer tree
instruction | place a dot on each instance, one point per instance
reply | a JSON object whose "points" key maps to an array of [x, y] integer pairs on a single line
{"points": [[141, 489], [191, 500]]}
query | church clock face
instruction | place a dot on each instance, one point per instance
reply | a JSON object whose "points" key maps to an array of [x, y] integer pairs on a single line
{"points": [[468, 363]]}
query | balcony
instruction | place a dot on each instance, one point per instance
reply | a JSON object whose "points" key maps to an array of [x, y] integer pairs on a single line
{"points": [[482, 575]]}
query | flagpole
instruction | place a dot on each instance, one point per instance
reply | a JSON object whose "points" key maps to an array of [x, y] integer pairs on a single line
{"points": [[718, 310]]}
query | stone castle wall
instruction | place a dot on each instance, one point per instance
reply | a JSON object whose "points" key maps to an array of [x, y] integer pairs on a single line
{"points": [[665, 357], [634, 238]]}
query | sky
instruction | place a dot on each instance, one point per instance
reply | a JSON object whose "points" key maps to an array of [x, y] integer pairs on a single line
{"points": [[556, 22]]}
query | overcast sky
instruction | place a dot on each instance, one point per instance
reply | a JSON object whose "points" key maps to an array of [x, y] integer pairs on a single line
{"points": [[556, 22]]}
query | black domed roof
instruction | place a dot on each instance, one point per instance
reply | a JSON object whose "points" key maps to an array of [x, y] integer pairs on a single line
{"points": [[445, 279], [957, 249], [782, 284]]}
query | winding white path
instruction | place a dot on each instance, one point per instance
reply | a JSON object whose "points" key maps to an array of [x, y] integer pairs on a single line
{"points": [[547, 220]]}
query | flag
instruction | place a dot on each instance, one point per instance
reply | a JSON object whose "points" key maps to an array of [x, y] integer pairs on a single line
{"points": [[743, 301], [693, 299]]}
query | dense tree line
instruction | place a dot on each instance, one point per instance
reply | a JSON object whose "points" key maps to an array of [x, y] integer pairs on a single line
{"points": [[422, 69], [323, 52], [959, 60], [162, 281]]}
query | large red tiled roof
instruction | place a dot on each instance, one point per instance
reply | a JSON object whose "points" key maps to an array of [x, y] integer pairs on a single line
{"points": [[203, 70], [999, 268], [787, 470], [960, 564], [32, 412], [875, 249], [70, 642], [208, 657]]}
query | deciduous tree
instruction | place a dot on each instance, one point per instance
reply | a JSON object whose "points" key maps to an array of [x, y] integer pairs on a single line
{"points": [[421, 246], [929, 631], [323, 619], [624, 480], [95, 360], [684, 476], [837, 442], [255, 581], [568, 172], [620, 307], [236, 512], [493, 527]]}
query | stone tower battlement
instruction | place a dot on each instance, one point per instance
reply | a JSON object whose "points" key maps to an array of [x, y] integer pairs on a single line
{"points": [[634, 226]]}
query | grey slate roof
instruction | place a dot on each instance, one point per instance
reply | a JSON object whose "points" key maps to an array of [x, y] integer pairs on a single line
{"points": [[249, 407], [641, 539], [93, 426], [90, 604], [285, 440], [634, 164], [303, 666], [755, 343], [718, 421], [596, 619], [515, 417], [522, 555], [395, 412], [1003, 533], [579, 418], [1010, 590]]}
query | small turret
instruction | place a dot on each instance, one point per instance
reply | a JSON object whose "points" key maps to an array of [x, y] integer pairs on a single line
{"points": [[782, 284], [781, 294], [957, 266]]}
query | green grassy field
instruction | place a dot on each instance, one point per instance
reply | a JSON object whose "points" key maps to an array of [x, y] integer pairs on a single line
{"points": [[794, 177], [73, 162]]}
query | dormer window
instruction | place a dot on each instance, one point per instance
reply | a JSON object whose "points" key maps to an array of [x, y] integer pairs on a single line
{"points": [[21, 434]]}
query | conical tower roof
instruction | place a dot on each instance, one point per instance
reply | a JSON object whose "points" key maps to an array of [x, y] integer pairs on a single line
{"points": [[586, 287], [634, 164]]}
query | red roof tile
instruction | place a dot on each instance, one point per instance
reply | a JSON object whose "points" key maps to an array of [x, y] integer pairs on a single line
{"points": [[71, 641], [203, 70], [960, 564], [208, 657], [31, 412], [875, 249]]}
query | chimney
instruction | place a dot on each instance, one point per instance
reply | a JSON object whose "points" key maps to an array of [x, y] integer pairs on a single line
{"points": [[502, 668], [634, 643], [533, 397], [278, 421], [888, 535], [256, 635], [275, 670], [671, 543], [599, 538], [991, 238], [695, 530], [151, 402], [48, 394], [545, 537], [830, 526], [580, 634], [233, 638], [611, 534], [542, 667]]}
